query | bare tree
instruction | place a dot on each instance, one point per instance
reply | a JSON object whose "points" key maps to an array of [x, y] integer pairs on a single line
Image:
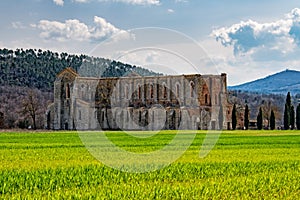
{"points": [[31, 105], [11, 105]]}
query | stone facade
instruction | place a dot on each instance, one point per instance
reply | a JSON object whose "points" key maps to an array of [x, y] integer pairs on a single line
{"points": [[138, 103]]}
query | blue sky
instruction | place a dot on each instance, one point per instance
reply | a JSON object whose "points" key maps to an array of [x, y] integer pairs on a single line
{"points": [[245, 39]]}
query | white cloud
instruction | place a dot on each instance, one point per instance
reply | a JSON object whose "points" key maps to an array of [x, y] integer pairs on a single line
{"points": [[260, 48], [133, 2], [241, 69], [81, 1], [59, 2], [250, 36], [181, 1], [137, 2], [73, 29], [18, 25], [170, 10]]}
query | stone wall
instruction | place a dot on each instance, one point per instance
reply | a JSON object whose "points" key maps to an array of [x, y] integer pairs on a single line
{"points": [[139, 103]]}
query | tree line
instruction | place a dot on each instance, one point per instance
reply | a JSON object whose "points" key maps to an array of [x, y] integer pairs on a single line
{"points": [[291, 119]]}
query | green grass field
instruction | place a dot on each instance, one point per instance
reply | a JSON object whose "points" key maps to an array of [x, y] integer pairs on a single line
{"points": [[243, 165]]}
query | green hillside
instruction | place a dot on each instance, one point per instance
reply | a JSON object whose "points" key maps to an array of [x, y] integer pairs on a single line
{"points": [[37, 68]]}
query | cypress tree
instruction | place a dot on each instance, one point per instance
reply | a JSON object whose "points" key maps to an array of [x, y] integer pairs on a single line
{"points": [[288, 99], [246, 117], [287, 112], [292, 116], [272, 120], [259, 120], [298, 117], [286, 117], [233, 117]]}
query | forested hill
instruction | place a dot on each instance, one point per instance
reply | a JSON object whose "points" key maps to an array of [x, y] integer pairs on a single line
{"points": [[38, 69]]}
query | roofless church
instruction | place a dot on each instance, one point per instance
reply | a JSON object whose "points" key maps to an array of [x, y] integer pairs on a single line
{"points": [[138, 102]]}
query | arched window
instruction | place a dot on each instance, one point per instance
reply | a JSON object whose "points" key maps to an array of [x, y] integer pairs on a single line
{"points": [[206, 99], [164, 91], [139, 92], [151, 91], [192, 88], [67, 91]]}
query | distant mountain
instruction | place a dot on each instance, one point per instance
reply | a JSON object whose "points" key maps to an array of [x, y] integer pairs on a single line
{"points": [[279, 83]]}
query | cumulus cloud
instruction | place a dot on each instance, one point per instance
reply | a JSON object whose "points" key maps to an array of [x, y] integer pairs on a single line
{"points": [[248, 37], [73, 29], [59, 2]]}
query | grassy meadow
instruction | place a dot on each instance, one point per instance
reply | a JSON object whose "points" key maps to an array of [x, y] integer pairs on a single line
{"points": [[242, 165]]}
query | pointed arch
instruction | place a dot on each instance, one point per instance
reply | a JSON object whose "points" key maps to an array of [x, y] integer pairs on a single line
{"points": [[205, 97], [192, 89], [165, 94], [67, 91], [151, 91], [139, 91]]}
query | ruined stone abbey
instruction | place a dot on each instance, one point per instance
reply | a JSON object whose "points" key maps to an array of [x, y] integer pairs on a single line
{"points": [[135, 102]]}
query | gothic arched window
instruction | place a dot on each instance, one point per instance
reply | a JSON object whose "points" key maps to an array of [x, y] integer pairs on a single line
{"points": [[206, 99], [139, 92], [164, 91], [151, 91], [192, 88], [67, 91]]}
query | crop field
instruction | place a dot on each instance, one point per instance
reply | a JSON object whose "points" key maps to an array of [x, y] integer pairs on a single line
{"points": [[242, 165]]}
